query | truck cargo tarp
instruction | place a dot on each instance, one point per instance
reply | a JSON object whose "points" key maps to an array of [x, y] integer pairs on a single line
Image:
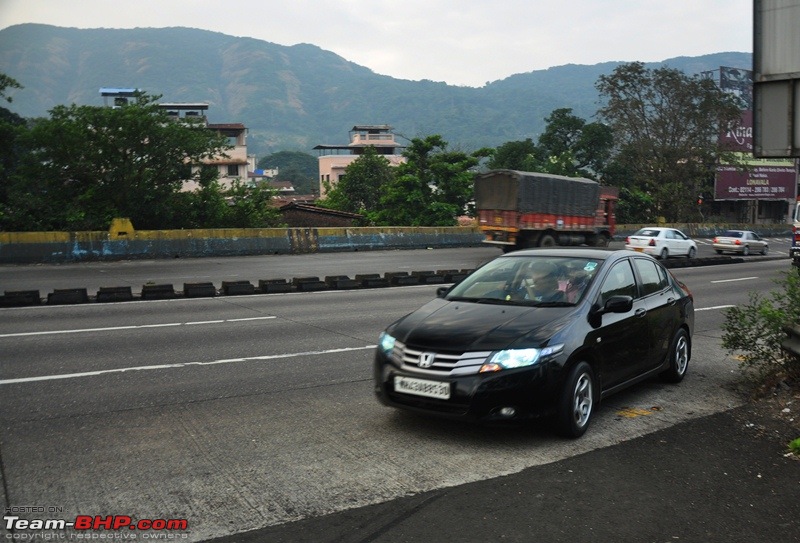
{"points": [[530, 192]]}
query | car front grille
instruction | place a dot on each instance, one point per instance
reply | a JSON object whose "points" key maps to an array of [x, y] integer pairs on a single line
{"points": [[441, 364]]}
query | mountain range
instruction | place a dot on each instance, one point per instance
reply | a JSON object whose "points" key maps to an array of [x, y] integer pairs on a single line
{"points": [[295, 97]]}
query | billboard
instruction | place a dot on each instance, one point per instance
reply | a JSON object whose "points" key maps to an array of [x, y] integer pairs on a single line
{"points": [[763, 179], [776, 76]]}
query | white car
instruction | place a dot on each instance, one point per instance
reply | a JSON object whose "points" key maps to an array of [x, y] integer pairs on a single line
{"points": [[661, 243]]}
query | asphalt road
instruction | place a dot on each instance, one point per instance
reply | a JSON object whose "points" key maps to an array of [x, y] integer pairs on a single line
{"points": [[135, 273], [253, 413]]}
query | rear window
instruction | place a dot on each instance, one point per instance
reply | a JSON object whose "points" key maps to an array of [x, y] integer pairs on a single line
{"points": [[647, 233], [732, 234]]}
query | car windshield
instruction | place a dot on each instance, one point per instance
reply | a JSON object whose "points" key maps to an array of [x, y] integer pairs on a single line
{"points": [[647, 232], [732, 234], [537, 281]]}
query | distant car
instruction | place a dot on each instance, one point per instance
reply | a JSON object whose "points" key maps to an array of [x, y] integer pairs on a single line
{"points": [[740, 241], [661, 243], [542, 332]]}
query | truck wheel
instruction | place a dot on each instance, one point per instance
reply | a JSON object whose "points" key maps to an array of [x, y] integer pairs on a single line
{"points": [[601, 241], [547, 241]]}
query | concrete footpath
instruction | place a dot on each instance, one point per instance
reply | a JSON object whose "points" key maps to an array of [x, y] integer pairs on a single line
{"points": [[725, 478]]}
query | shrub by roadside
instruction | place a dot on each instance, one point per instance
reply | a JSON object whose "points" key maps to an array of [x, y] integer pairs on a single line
{"points": [[754, 333]]}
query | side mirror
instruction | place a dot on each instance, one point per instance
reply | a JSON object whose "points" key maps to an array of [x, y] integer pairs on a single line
{"points": [[441, 292], [618, 304], [615, 304]]}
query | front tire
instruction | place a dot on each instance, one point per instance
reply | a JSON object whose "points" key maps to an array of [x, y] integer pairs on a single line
{"points": [[679, 354], [577, 402], [692, 252], [765, 250]]}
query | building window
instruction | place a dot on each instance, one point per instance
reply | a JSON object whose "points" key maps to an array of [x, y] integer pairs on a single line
{"points": [[233, 170]]}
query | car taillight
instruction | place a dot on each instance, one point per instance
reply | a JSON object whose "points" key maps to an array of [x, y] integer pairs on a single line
{"points": [[628, 240], [652, 243], [715, 240], [738, 242]]}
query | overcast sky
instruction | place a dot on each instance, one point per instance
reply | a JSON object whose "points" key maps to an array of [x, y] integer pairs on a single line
{"points": [[460, 42]]}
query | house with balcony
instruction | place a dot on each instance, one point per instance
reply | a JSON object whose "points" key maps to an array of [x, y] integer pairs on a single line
{"points": [[235, 163], [334, 159]]}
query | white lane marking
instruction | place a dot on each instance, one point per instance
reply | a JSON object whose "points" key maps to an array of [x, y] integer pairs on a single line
{"points": [[131, 327], [178, 365], [715, 307], [732, 280]]}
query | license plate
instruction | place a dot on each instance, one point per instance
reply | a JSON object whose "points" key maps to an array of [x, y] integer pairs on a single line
{"points": [[638, 249], [422, 387]]}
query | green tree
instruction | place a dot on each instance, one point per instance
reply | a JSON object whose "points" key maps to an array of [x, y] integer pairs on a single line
{"points": [[517, 155], [574, 147], [432, 188], [11, 127], [86, 165], [359, 190], [298, 168], [666, 127]]}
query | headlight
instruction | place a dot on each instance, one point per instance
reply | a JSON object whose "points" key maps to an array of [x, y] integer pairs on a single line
{"points": [[386, 343], [518, 358]]}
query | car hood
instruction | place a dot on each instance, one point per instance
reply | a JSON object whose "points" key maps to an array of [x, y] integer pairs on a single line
{"points": [[444, 325]]}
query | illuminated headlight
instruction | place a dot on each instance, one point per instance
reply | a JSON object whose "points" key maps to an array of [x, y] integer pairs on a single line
{"points": [[386, 343], [518, 358]]}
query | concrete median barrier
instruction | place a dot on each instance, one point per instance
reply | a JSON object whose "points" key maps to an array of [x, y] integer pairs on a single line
{"points": [[114, 294], [20, 298], [199, 290]]}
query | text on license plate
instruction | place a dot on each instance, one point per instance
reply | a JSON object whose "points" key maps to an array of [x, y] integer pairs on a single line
{"points": [[422, 387]]}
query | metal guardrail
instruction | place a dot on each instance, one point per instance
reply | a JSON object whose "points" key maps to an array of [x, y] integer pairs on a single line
{"points": [[792, 343]]}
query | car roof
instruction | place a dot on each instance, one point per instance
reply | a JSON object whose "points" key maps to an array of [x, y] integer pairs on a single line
{"points": [[582, 252]]}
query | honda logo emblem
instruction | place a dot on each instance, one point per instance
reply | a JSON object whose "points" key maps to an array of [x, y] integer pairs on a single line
{"points": [[426, 360]]}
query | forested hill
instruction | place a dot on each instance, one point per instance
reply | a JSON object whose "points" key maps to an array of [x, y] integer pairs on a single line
{"points": [[294, 97]]}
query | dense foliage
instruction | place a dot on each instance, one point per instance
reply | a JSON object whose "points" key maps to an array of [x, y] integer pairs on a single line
{"points": [[666, 128], [432, 187], [754, 331], [360, 189], [85, 165]]}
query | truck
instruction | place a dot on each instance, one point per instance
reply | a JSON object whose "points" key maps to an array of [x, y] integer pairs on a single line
{"points": [[518, 210]]}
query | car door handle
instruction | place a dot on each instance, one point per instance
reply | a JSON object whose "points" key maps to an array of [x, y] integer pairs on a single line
{"points": [[671, 301], [641, 312]]}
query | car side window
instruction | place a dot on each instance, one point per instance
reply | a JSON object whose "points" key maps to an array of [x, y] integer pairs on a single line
{"points": [[652, 278], [619, 282]]}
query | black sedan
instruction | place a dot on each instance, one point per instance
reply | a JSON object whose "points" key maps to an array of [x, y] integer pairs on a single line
{"points": [[542, 332]]}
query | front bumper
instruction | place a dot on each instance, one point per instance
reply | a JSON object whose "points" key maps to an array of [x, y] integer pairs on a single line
{"points": [[530, 392]]}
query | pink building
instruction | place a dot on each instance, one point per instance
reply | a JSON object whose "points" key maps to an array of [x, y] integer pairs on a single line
{"points": [[333, 159]]}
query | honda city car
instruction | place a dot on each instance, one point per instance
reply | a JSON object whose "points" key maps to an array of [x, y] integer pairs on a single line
{"points": [[538, 333], [743, 242], [661, 243]]}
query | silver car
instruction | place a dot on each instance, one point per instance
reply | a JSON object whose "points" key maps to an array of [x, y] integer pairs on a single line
{"points": [[740, 241]]}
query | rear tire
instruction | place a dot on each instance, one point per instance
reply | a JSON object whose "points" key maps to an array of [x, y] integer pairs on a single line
{"points": [[601, 241], [664, 254], [577, 402], [745, 250], [547, 241], [678, 358]]}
